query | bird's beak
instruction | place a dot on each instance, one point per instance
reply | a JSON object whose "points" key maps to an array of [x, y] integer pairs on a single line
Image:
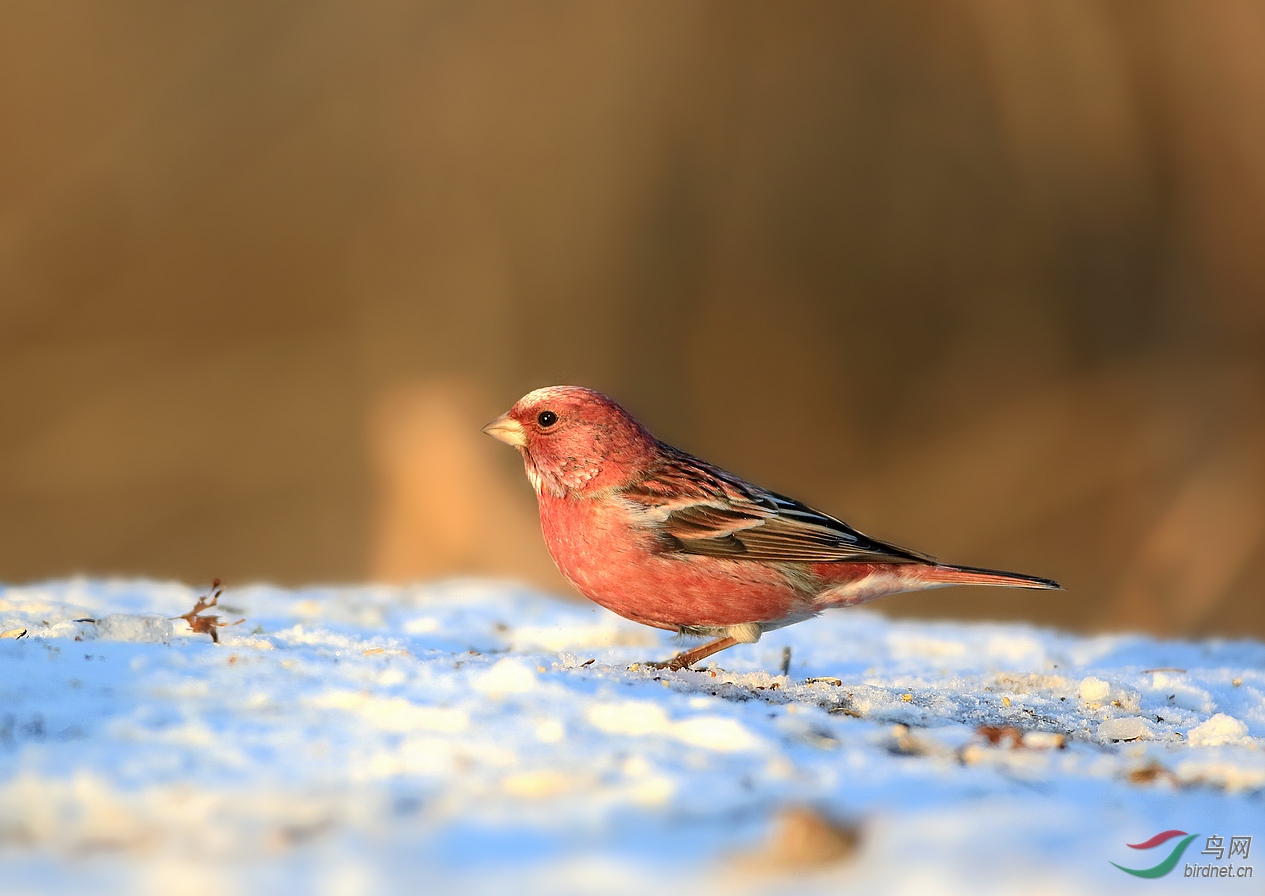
{"points": [[508, 430]]}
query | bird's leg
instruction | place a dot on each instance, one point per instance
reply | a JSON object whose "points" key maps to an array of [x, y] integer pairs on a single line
{"points": [[687, 658]]}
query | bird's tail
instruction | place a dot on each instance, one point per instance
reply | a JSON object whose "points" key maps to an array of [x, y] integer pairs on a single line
{"points": [[946, 574], [858, 583]]}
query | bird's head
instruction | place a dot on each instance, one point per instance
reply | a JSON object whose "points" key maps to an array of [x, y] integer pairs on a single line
{"points": [[575, 440]]}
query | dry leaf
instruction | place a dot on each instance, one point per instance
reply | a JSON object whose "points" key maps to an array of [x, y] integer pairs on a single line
{"points": [[207, 625]]}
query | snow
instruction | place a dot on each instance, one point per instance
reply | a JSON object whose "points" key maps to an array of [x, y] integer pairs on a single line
{"points": [[478, 736], [1218, 730]]}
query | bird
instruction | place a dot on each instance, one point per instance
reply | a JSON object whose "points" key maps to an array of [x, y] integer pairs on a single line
{"points": [[668, 540]]}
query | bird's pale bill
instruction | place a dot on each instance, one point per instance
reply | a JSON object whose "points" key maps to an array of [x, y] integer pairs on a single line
{"points": [[508, 430]]}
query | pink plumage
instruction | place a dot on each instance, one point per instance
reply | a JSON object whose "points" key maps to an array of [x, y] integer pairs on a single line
{"points": [[668, 540]]}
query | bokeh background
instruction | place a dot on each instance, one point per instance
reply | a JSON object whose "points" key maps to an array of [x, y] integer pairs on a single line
{"points": [[982, 278]]}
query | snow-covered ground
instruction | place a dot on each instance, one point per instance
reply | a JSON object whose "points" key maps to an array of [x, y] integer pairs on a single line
{"points": [[477, 736]]}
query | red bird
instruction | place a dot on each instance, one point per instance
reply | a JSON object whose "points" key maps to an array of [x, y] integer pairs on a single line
{"points": [[671, 541]]}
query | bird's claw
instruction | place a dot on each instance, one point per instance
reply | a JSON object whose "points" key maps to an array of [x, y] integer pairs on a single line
{"points": [[672, 665], [690, 657]]}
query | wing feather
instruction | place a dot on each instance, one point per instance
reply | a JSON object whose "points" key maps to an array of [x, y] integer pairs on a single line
{"points": [[701, 509]]}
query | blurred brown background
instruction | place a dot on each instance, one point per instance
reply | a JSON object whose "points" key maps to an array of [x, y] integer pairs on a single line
{"points": [[982, 278]]}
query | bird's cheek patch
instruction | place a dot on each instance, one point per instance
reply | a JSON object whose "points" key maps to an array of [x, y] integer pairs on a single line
{"points": [[575, 475]]}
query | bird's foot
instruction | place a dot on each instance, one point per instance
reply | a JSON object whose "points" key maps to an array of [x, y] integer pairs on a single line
{"points": [[672, 665], [688, 658]]}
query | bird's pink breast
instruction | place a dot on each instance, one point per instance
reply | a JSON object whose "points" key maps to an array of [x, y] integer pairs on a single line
{"points": [[614, 561]]}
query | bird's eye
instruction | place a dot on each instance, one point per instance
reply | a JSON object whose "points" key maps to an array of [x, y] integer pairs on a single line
{"points": [[546, 419]]}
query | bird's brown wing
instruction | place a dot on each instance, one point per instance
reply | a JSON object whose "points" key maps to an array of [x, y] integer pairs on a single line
{"points": [[701, 509]]}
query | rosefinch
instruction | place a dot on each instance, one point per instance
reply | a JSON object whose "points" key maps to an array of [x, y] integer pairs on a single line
{"points": [[668, 540]]}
